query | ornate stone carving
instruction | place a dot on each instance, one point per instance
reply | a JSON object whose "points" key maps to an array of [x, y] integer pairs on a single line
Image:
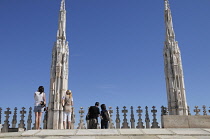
{"points": [[177, 104], [22, 125], [209, 110], [196, 110], [140, 123], [147, 120], [6, 122], [72, 118], [164, 111], [188, 108], [117, 118], [81, 124], [59, 74], [14, 120], [29, 121], [111, 124], [204, 110], [125, 123], [154, 123], [132, 120]]}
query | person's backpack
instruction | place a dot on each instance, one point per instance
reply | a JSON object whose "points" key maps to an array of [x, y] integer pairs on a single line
{"points": [[105, 115]]}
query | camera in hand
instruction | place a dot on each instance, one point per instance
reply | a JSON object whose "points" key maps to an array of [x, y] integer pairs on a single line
{"points": [[42, 104]]}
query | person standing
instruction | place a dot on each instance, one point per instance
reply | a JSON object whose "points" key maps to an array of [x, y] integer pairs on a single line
{"points": [[93, 114], [40, 102], [67, 103], [104, 117]]}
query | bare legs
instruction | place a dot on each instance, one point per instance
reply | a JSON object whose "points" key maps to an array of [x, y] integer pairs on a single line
{"points": [[68, 126], [66, 117], [38, 116], [64, 125], [36, 120]]}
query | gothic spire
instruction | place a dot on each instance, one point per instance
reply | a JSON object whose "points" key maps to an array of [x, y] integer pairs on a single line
{"points": [[168, 22], [177, 104], [58, 74], [61, 33]]}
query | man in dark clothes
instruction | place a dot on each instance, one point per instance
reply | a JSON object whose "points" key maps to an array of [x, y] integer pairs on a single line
{"points": [[94, 113]]}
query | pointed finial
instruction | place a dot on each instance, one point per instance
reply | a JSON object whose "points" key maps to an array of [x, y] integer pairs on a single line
{"points": [[62, 5], [168, 22], [61, 33], [166, 4]]}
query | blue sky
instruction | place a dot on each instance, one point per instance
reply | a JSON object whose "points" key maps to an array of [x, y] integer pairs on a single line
{"points": [[115, 50]]}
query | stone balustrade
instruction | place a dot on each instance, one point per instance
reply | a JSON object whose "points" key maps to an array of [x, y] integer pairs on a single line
{"points": [[150, 116]]}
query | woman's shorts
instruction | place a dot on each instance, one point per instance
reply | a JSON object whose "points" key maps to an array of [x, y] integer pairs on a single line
{"points": [[65, 115], [38, 109]]}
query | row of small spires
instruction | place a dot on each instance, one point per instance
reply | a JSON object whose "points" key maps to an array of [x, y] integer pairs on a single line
{"points": [[81, 124]]}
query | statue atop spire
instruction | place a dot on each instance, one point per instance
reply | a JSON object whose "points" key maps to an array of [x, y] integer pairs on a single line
{"points": [[62, 5], [168, 21], [177, 104], [61, 33], [58, 74], [166, 5]]}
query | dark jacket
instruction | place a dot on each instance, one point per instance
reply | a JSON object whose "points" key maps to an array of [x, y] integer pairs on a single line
{"points": [[93, 112]]}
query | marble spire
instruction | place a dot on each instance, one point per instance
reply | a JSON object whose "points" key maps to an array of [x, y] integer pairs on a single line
{"points": [[177, 104], [58, 74]]}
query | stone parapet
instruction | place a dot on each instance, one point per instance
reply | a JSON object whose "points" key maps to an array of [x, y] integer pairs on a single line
{"points": [[185, 121], [199, 120]]}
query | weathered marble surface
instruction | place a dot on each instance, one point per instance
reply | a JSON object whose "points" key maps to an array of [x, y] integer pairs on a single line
{"points": [[58, 73], [184, 121], [174, 76]]}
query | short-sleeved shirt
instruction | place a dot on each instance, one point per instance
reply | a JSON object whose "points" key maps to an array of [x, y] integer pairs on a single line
{"points": [[94, 112]]}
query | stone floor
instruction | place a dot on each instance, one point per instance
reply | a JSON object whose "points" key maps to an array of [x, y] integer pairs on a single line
{"points": [[176, 133]]}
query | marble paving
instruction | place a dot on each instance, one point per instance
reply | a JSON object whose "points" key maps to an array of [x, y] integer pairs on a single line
{"points": [[170, 133]]}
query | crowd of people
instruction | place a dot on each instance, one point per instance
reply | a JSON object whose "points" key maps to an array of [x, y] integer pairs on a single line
{"points": [[67, 103]]}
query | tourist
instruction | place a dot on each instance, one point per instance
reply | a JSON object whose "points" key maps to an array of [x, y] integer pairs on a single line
{"points": [[67, 103], [93, 114], [40, 102], [104, 117]]}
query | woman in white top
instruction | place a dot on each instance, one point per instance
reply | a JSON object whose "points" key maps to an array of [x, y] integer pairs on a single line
{"points": [[67, 108], [40, 102]]}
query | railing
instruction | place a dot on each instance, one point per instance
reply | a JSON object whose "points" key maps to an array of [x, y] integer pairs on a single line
{"points": [[83, 123]]}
